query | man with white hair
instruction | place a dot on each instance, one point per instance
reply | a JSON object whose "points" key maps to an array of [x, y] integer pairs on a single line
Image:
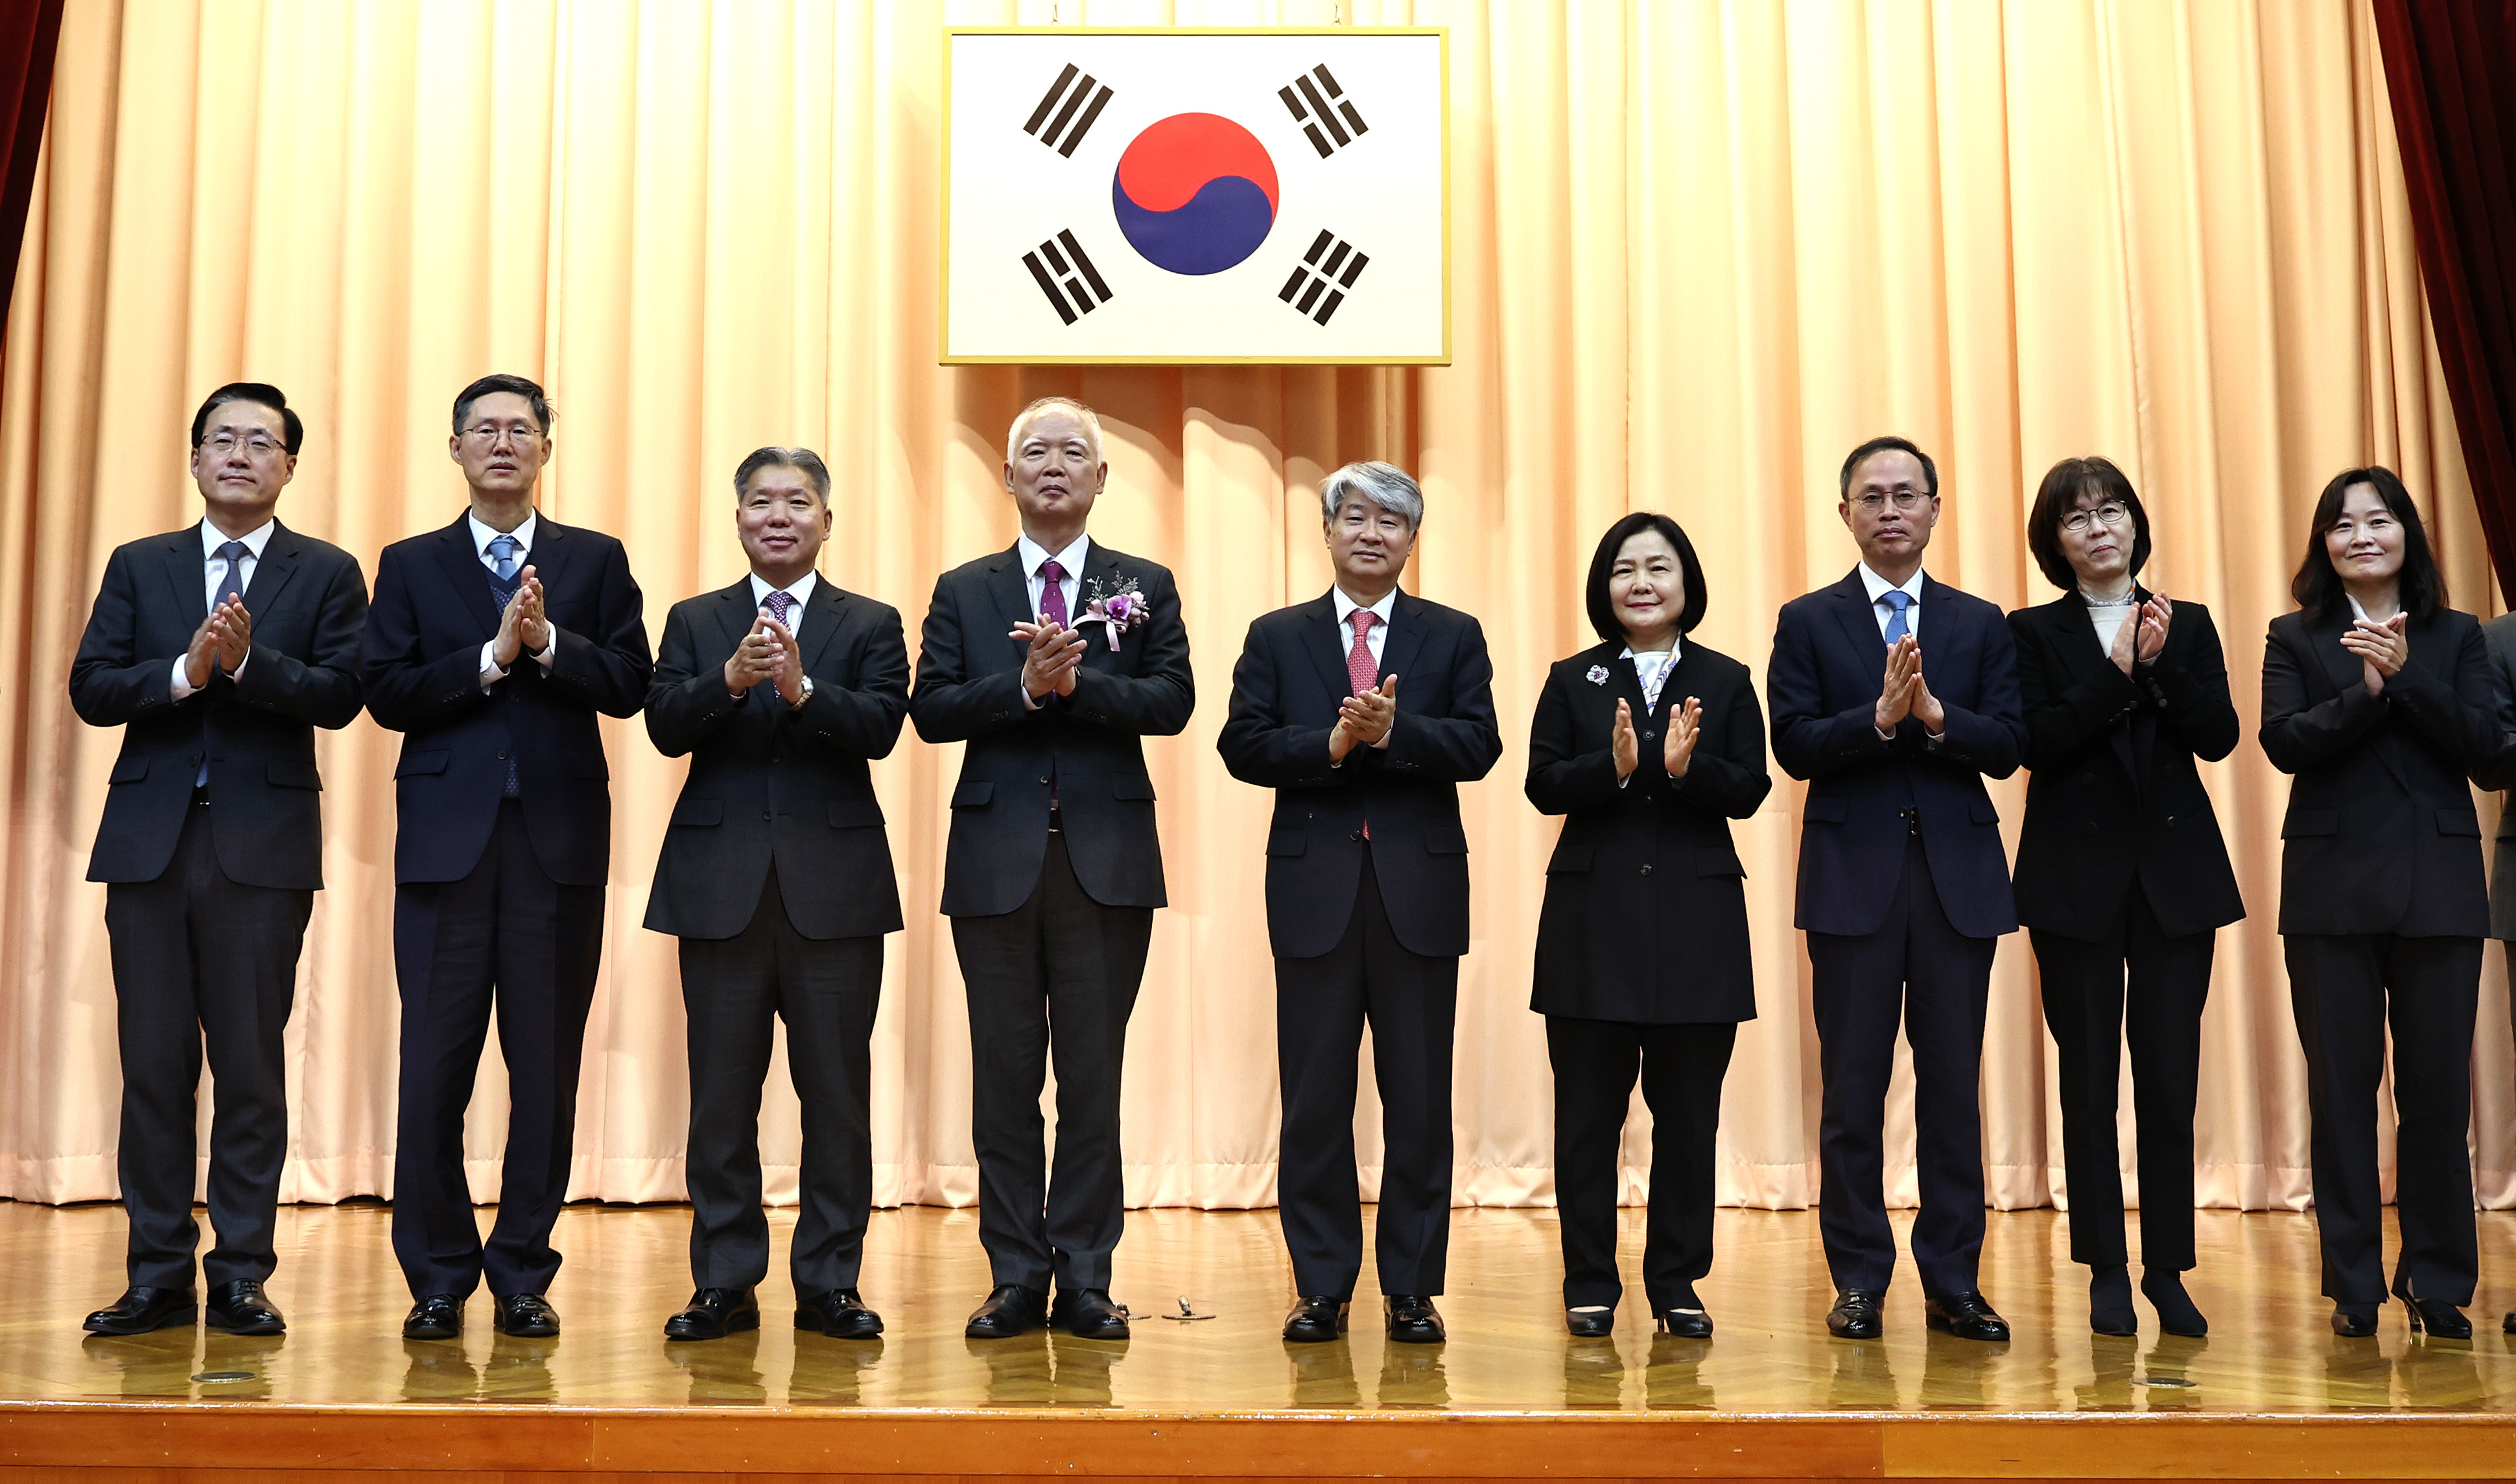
{"points": [[1364, 710], [1053, 659]]}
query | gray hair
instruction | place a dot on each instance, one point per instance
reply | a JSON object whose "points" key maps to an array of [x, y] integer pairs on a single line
{"points": [[775, 457], [1067, 404], [1384, 485]]}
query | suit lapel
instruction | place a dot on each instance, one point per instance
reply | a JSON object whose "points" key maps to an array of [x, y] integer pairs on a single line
{"points": [[2341, 668], [189, 572], [461, 563], [1097, 569], [2072, 634], [734, 616], [1324, 639], [1858, 617], [1411, 615], [272, 570], [1010, 586], [826, 611], [548, 556]]}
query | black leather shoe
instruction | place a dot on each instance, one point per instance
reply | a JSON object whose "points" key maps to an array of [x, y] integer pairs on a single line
{"points": [[838, 1313], [141, 1310], [1315, 1319], [1589, 1324], [714, 1314], [1854, 1315], [1088, 1314], [1686, 1325], [2508, 1325], [527, 1316], [239, 1308], [2354, 1321], [2440, 1319], [1413, 1319], [439, 1316], [1010, 1311], [1966, 1316]]}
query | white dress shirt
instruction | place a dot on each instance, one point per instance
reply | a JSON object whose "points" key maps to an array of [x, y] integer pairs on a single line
{"points": [[214, 572], [1880, 587], [491, 672], [1377, 639], [801, 591]]}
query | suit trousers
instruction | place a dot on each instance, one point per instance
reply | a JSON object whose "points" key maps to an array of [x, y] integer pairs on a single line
{"points": [[198, 958], [2347, 989], [505, 937], [1053, 981], [2092, 1015], [1412, 1003], [1917, 967], [736, 990], [1681, 1066]]}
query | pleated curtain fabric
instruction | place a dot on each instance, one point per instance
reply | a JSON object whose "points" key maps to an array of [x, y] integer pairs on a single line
{"points": [[1699, 250]]}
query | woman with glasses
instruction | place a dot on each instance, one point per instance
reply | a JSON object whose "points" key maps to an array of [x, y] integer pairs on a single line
{"points": [[1650, 744], [2378, 702], [2123, 879]]}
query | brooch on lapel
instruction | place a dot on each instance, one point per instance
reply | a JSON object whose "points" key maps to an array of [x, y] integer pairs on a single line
{"points": [[1597, 674], [1118, 609]]}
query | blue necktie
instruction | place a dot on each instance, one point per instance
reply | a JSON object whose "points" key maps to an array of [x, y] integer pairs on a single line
{"points": [[230, 586], [1897, 600], [502, 557]]}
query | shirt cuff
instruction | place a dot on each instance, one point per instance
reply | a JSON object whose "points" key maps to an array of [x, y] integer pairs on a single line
{"points": [[549, 654], [491, 672], [181, 690], [1382, 745]]}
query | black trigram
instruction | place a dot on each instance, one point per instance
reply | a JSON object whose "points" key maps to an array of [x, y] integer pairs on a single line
{"points": [[1068, 276], [1322, 110], [1323, 276], [1089, 95]]}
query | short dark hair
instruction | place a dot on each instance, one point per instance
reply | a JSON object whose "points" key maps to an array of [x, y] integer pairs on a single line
{"points": [[774, 457], [1883, 445], [1602, 562], [2064, 484], [261, 394], [2318, 588], [543, 414]]}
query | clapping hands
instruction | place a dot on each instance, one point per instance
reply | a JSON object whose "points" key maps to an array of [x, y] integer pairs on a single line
{"points": [[2144, 635], [1677, 745], [523, 626], [1054, 660], [1364, 719], [2383, 649], [223, 639]]}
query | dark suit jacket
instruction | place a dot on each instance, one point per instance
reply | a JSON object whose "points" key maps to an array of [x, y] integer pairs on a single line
{"points": [[422, 665], [1823, 689], [1285, 691], [2499, 634], [969, 689], [2381, 835], [767, 783], [308, 600], [2114, 797], [1645, 914]]}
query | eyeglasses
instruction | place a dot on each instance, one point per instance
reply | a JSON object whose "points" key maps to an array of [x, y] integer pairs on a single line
{"points": [[486, 435], [1902, 498], [224, 443], [2107, 514]]}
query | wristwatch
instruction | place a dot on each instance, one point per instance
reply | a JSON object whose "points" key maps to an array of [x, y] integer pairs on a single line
{"points": [[799, 702]]}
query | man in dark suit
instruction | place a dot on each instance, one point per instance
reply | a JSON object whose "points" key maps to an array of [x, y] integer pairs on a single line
{"points": [[1364, 710], [493, 644], [1903, 891], [218, 649], [1053, 660], [776, 877]]}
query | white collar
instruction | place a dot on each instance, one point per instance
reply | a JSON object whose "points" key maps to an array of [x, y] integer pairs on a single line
{"points": [[212, 538], [483, 536], [1880, 587], [1676, 647], [1032, 554], [801, 589], [1346, 606]]}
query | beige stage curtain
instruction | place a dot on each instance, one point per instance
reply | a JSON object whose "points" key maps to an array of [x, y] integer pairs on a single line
{"points": [[1701, 248]]}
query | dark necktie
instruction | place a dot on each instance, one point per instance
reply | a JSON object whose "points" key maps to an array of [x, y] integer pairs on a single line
{"points": [[781, 606], [1051, 592], [230, 586]]}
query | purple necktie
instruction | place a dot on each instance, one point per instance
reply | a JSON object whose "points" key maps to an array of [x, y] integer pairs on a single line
{"points": [[1051, 592], [780, 605]]}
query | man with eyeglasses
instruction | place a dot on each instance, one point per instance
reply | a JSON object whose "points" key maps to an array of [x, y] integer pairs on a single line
{"points": [[495, 643], [218, 649], [1904, 889]]}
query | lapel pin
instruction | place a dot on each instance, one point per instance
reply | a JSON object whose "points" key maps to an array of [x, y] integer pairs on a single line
{"points": [[1597, 674]]}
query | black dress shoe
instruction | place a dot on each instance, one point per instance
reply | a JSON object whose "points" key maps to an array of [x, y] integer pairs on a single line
{"points": [[2508, 1325], [1854, 1315], [1589, 1324], [1010, 1311], [239, 1308], [527, 1316], [838, 1313], [1315, 1319], [141, 1310], [1088, 1314], [438, 1316], [1413, 1319], [714, 1314], [2440, 1319], [1966, 1316], [1686, 1324], [2354, 1321]]}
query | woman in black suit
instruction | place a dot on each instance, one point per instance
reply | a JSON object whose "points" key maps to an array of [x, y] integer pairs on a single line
{"points": [[2123, 879], [2376, 700], [1650, 746]]}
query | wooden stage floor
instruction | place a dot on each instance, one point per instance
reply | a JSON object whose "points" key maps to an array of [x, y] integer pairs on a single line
{"points": [[2271, 1394]]}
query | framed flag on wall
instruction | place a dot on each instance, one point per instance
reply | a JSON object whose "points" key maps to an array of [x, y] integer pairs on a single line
{"points": [[1182, 196]]}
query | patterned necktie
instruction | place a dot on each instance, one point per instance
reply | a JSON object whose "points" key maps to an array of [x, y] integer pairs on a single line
{"points": [[502, 557], [231, 585], [1360, 668], [1051, 592], [780, 605], [1898, 600]]}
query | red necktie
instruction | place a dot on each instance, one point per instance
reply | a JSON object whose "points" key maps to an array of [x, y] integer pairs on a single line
{"points": [[1361, 668]]}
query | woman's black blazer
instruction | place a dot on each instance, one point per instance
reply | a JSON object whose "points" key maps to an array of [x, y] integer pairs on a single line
{"points": [[2380, 835], [1645, 914], [2114, 797]]}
